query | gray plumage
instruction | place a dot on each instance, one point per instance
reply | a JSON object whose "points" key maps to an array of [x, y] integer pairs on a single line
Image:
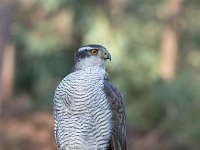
{"points": [[89, 112]]}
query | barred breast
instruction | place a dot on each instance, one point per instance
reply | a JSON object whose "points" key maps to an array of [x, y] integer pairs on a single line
{"points": [[82, 113]]}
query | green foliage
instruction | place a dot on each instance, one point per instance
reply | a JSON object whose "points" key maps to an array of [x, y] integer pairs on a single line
{"points": [[180, 101]]}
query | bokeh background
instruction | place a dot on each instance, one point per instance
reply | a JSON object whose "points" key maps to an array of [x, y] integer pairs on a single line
{"points": [[155, 48]]}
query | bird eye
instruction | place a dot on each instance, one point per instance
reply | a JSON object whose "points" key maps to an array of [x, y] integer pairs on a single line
{"points": [[94, 51]]}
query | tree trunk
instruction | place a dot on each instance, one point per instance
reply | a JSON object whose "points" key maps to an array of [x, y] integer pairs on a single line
{"points": [[169, 44], [6, 49]]}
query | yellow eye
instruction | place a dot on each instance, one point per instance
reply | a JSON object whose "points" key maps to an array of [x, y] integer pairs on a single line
{"points": [[94, 51]]}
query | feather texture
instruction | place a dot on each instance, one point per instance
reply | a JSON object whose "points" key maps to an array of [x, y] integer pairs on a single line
{"points": [[118, 137], [82, 112], [89, 112]]}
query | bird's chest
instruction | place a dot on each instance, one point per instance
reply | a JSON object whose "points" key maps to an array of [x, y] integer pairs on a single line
{"points": [[84, 94], [90, 113]]}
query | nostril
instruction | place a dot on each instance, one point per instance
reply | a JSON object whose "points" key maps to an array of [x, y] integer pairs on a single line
{"points": [[105, 53]]}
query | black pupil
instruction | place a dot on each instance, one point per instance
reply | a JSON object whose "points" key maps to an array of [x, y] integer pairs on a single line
{"points": [[94, 51]]}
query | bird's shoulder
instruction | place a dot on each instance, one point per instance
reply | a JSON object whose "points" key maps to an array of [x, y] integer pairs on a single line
{"points": [[111, 90], [68, 79]]}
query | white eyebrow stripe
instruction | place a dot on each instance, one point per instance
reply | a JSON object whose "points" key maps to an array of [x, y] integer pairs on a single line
{"points": [[84, 48]]}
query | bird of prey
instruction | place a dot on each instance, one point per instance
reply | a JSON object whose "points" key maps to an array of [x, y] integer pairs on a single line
{"points": [[89, 111]]}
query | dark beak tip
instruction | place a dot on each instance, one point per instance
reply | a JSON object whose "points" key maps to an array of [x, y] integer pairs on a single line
{"points": [[109, 58]]}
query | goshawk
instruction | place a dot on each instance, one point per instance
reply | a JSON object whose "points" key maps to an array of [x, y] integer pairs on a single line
{"points": [[89, 111]]}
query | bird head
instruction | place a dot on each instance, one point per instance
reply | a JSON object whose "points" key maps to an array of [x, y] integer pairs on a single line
{"points": [[91, 56]]}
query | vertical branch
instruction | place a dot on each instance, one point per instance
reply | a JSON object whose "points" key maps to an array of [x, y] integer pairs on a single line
{"points": [[169, 44], [7, 73], [6, 48]]}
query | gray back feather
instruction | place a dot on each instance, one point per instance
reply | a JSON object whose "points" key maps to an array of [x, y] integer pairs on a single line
{"points": [[119, 137]]}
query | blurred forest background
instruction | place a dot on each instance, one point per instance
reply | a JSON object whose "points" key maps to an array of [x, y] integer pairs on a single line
{"points": [[155, 48]]}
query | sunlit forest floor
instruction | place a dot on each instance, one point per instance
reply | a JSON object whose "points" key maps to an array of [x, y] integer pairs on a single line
{"points": [[34, 131]]}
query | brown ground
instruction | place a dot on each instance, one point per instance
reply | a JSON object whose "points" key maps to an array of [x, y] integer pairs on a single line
{"points": [[34, 131], [27, 132]]}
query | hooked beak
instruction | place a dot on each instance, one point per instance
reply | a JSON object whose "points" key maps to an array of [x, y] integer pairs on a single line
{"points": [[106, 55]]}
